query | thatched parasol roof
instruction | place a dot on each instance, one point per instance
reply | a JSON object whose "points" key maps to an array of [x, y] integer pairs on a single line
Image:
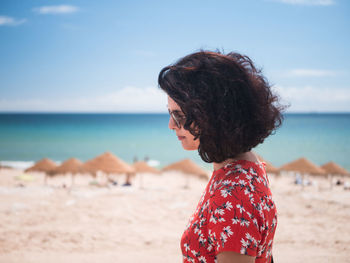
{"points": [[44, 165], [188, 167], [268, 166], [72, 166], [303, 166], [143, 167], [333, 168], [107, 163]]}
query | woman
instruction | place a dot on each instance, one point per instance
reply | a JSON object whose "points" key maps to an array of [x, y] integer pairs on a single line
{"points": [[223, 107]]}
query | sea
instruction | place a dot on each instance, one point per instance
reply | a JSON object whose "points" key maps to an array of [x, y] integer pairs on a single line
{"points": [[28, 137]]}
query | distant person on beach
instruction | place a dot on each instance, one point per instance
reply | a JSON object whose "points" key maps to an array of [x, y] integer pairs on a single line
{"points": [[127, 180], [222, 106]]}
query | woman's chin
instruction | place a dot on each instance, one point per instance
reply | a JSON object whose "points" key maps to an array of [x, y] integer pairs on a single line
{"points": [[188, 147]]}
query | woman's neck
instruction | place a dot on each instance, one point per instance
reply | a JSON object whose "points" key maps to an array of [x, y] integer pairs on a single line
{"points": [[248, 156]]}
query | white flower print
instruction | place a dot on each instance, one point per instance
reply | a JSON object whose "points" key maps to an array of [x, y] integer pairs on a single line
{"points": [[229, 172], [202, 240], [243, 171], [195, 253], [223, 238], [255, 221], [235, 220], [228, 205], [240, 207], [261, 250], [274, 221], [226, 182], [238, 167], [197, 231], [211, 240], [248, 236], [248, 176], [242, 182], [244, 243], [251, 239], [213, 219], [219, 211], [189, 259], [227, 230], [236, 212], [252, 171], [270, 242], [225, 192], [221, 219], [202, 259], [252, 188], [244, 222]]}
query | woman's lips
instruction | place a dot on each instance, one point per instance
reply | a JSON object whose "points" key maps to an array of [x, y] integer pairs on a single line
{"points": [[181, 137]]}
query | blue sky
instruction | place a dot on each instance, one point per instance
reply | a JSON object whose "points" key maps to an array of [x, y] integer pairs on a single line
{"points": [[105, 56]]}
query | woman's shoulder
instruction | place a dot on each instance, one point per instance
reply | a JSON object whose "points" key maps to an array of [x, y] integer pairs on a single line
{"points": [[240, 173], [241, 184]]}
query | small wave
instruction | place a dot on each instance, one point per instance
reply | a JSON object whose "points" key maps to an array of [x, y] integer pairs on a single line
{"points": [[22, 165], [17, 164]]}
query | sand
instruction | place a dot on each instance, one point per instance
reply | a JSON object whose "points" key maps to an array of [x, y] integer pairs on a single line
{"points": [[144, 222]]}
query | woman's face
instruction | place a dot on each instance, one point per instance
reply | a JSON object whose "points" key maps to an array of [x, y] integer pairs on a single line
{"points": [[186, 138]]}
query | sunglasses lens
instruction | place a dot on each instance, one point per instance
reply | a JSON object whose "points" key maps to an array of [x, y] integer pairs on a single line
{"points": [[176, 120]]}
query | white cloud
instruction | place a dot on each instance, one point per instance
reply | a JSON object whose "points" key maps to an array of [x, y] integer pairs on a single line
{"points": [[151, 99], [10, 21], [309, 98], [310, 73], [128, 99], [56, 9], [307, 2]]}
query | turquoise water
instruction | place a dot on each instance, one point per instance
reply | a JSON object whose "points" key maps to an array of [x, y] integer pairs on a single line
{"points": [[30, 137]]}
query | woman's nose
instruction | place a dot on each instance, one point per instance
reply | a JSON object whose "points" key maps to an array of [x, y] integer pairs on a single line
{"points": [[171, 124]]}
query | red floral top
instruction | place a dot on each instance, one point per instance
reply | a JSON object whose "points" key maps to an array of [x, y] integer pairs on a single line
{"points": [[235, 213]]}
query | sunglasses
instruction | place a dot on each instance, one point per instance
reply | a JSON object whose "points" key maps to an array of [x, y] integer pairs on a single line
{"points": [[177, 118]]}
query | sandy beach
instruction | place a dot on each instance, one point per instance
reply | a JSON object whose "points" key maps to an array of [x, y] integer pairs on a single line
{"points": [[144, 222]]}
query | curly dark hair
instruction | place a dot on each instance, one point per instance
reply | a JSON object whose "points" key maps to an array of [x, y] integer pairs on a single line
{"points": [[228, 101]]}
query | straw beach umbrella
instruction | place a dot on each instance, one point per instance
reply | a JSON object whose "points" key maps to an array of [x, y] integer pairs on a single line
{"points": [[303, 166], [268, 166], [331, 168], [71, 166], [187, 167], [334, 169], [108, 164], [44, 165], [142, 167]]}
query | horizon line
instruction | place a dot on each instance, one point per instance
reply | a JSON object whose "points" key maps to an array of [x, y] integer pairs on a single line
{"points": [[150, 112]]}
